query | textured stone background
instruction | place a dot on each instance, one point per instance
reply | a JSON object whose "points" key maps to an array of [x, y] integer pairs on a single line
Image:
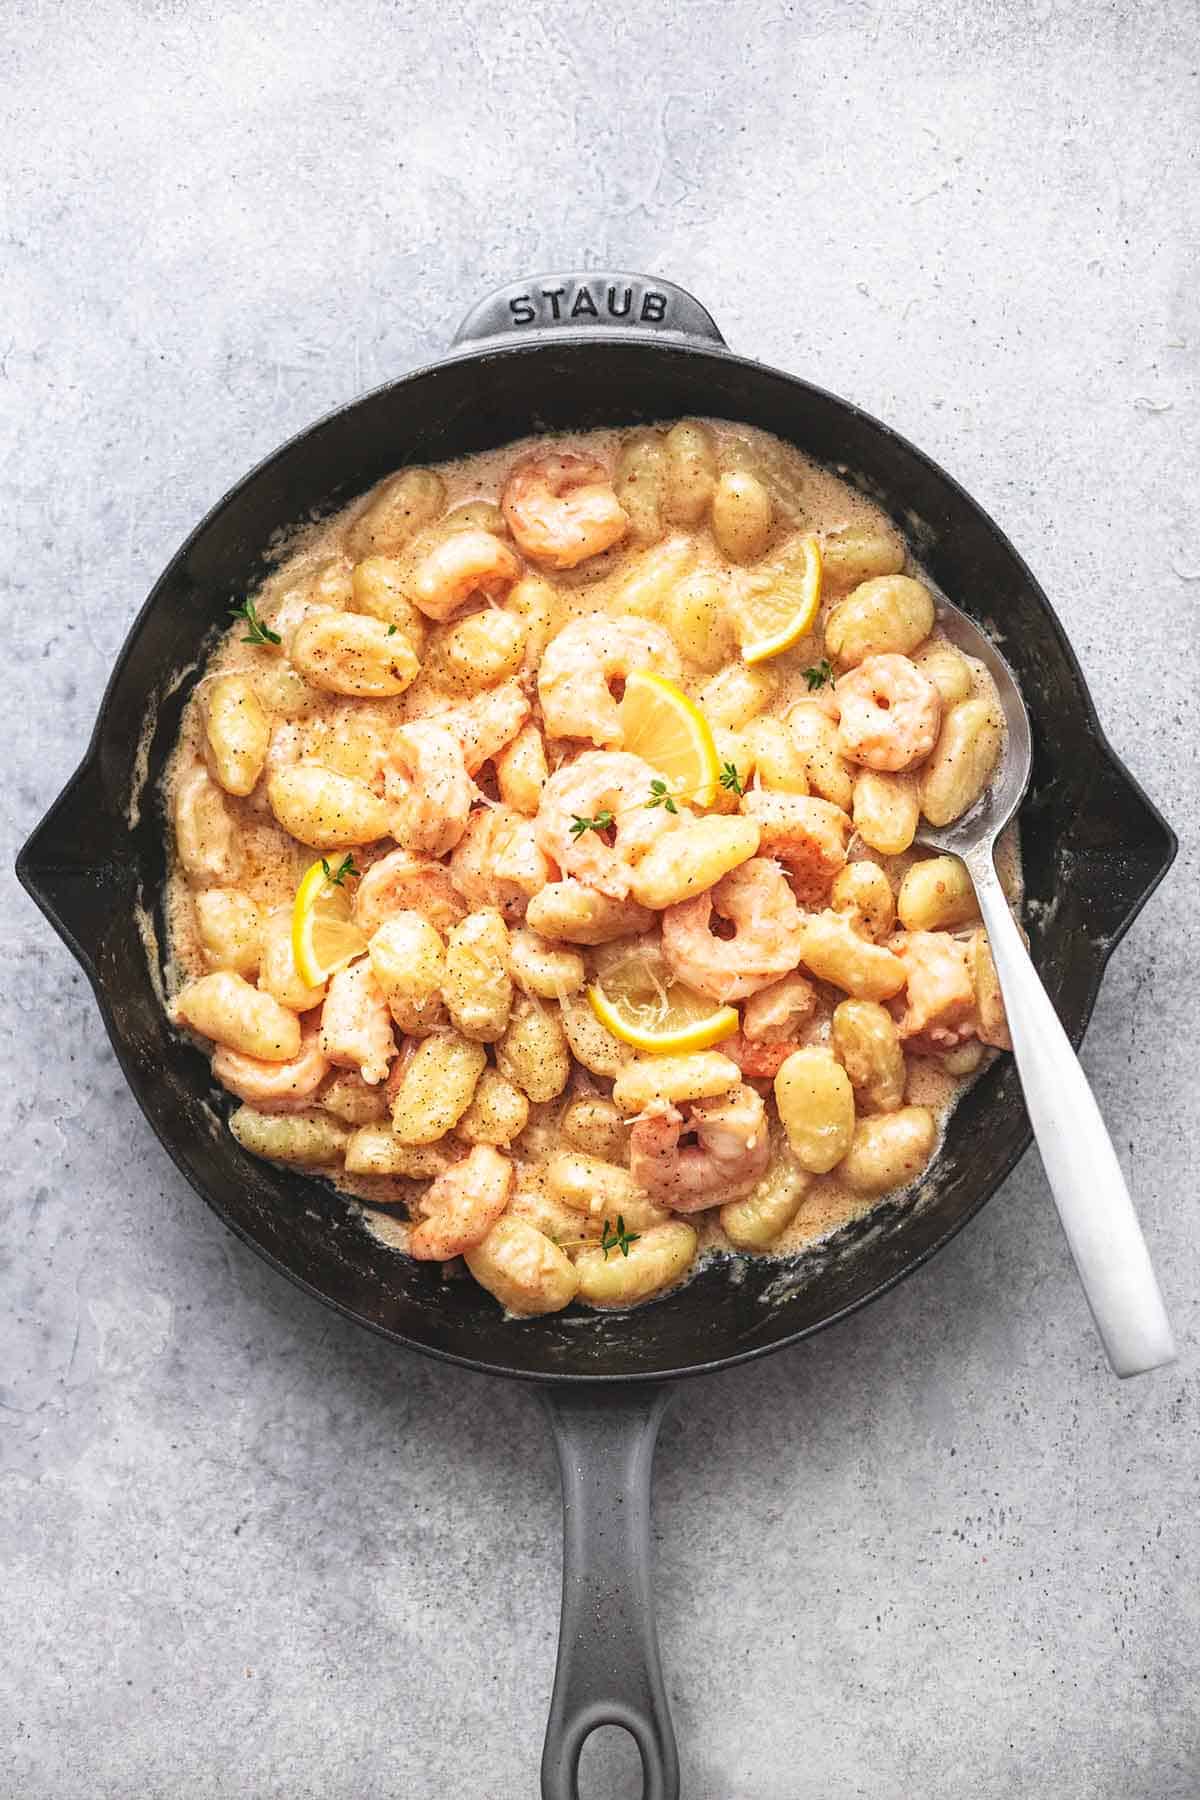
{"points": [[250, 1551]]}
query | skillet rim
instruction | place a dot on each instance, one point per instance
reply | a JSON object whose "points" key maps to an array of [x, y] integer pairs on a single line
{"points": [[485, 354]]}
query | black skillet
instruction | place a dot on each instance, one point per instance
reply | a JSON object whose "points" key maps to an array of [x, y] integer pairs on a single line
{"points": [[576, 351]]}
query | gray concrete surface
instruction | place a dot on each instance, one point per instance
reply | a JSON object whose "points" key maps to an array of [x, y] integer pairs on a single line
{"points": [[248, 1551]]}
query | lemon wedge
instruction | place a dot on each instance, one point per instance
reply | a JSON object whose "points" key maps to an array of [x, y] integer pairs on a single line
{"points": [[669, 731], [782, 608], [640, 1001], [324, 935]]}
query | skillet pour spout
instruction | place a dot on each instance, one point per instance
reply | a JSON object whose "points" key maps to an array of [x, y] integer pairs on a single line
{"points": [[554, 353]]}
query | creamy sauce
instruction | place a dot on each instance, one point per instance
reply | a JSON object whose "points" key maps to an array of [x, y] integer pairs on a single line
{"points": [[316, 574]]}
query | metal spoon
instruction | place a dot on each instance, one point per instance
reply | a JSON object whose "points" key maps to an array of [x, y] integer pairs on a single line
{"points": [[1077, 1154]]}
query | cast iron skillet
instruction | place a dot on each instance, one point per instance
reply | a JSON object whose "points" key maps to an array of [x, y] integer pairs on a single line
{"points": [[548, 354]]}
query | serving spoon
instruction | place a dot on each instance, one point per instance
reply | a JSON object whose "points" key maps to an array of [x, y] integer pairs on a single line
{"points": [[1081, 1165]]}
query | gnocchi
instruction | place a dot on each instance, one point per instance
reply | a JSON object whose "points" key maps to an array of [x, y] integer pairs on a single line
{"points": [[891, 613], [816, 1108], [311, 1140], [864, 893], [324, 810], [239, 732], [533, 1051], [231, 929], [408, 959], [224, 1007], [395, 512], [936, 894], [886, 810], [544, 970], [350, 653], [742, 515], [867, 1044], [436, 1086], [962, 761], [498, 1113], [640, 480], [655, 1260], [691, 473], [477, 987], [889, 1151], [209, 850], [697, 613]]}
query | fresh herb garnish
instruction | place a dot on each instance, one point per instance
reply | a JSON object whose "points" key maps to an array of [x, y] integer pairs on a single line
{"points": [[257, 632], [392, 630], [344, 872], [620, 1239], [730, 779], [817, 676], [601, 822], [660, 795]]}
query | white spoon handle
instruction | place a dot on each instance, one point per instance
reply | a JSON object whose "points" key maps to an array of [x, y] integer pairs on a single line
{"points": [[1077, 1154]]}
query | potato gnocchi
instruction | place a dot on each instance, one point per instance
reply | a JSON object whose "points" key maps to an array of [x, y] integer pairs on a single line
{"points": [[430, 694]]}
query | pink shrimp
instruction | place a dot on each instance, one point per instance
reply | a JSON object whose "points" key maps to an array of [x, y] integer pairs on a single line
{"points": [[562, 509], [498, 862], [400, 882], [484, 725], [768, 930], [275, 1087], [731, 1151], [462, 1205], [772, 1021], [940, 1009], [427, 785], [465, 563], [890, 713], [356, 1026], [808, 834], [613, 788], [581, 664]]}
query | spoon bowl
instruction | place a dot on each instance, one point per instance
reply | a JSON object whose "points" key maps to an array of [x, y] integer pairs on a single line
{"points": [[982, 824]]}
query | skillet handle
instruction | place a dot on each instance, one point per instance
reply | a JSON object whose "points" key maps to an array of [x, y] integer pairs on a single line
{"points": [[76, 863], [608, 1667], [588, 300]]}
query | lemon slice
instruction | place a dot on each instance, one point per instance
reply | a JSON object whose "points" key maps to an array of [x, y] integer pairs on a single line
{"points": [[324, 935], [669, 731], [777, 614], [640, 1001]]}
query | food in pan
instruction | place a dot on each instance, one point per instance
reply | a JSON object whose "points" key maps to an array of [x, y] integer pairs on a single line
{"points": [[542, 860]]}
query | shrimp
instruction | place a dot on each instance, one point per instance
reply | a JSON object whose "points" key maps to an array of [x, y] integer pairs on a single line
{"points": [[940, 1010], [580, 664], [807, 834], [400, 882], [275, 1087], [771, 1021], [608, 785], [427, 785], [462, 565], [562, 509], [768, 932], [462, 1205], [758, 1062], [890, 713], [484, 725], [497, 862], [731, 1151], [356, 1026]]}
